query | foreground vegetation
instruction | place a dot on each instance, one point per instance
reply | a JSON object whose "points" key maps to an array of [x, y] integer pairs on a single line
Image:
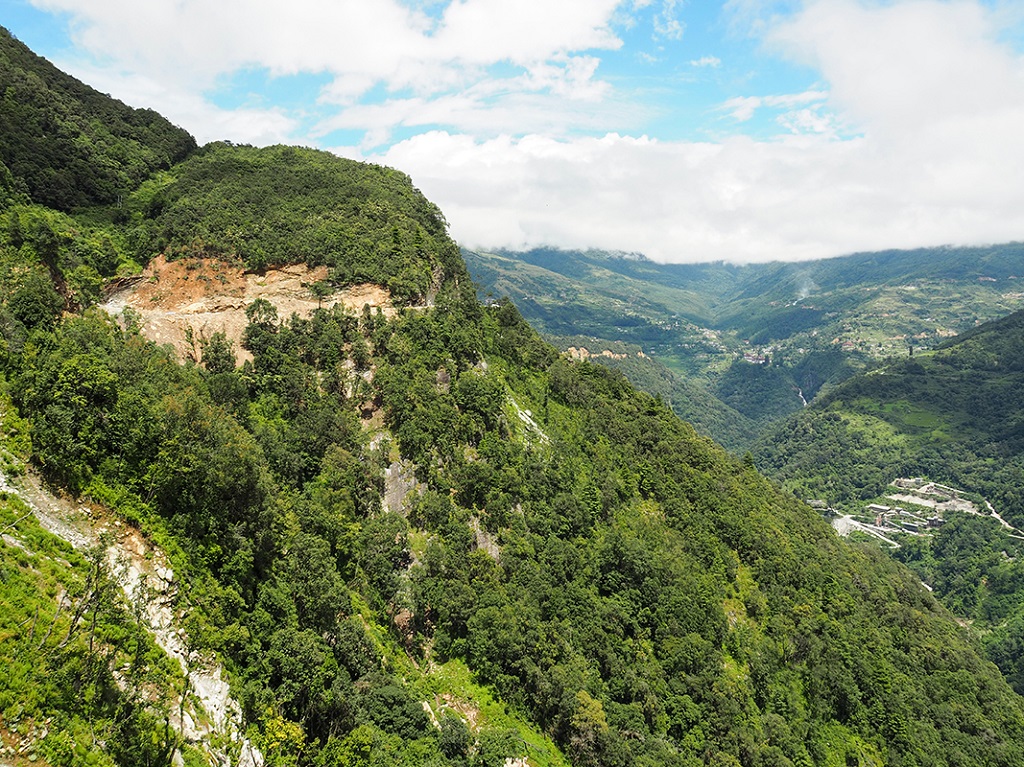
{"points": [[651, 599]]}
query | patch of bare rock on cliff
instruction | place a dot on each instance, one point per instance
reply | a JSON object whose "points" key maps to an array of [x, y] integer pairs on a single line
{"points": [[210, 717], [180, 302]]}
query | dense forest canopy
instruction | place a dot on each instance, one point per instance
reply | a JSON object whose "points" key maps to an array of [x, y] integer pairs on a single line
{"points": [[282, 205], [571, 575], [69, 146]]}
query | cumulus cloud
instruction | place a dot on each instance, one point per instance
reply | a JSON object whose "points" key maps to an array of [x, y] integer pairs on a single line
{"points": [[933, 97], [524, 31], [674, 201], [426, 57], [913, 133], [738, 200], [899, 68], [363, 43]]}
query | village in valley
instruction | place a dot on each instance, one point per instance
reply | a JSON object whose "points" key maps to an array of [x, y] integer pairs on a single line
{"points": [[919, 508]]}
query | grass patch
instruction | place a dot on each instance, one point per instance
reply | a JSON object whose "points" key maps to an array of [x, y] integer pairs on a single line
{"points": [[452, 687]]}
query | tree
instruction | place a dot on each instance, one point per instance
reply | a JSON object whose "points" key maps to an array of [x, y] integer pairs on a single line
{"points": [[71, 430], [320, 290], [217, 354], [455, 738], [35, 303]]}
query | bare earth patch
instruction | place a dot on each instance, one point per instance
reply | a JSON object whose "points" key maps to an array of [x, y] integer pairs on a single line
{"points": [[203, 296]]}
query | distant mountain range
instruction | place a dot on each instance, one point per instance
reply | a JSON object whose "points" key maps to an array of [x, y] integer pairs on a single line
{"points": [[760, 339]]}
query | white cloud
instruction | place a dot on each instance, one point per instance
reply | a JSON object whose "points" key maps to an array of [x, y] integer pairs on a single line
{"points": [[192, 42], [526, 31], [743, 108], [933, 95], [673, 201], [949, 178], [900, 67], [667, 24], [187, 47], [669, 28], [551, 99], [808, 121], [195, 41]]}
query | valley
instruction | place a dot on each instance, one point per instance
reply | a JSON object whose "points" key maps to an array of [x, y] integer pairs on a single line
{"points": [[875, 366], [951, 415], [760, 339]]}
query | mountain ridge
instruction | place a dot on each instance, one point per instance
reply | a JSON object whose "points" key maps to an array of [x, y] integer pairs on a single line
{"points": [[69, 146], [813, 323]]}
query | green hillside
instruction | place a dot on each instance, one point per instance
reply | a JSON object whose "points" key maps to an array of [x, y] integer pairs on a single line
{"points": [[283, 205], [424, 538], [688, 399], [67, 145], [954, 416]]}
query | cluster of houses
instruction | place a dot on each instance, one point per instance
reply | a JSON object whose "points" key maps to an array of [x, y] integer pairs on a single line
{"points": [[894, 518], [930, 501], [898, 518]]}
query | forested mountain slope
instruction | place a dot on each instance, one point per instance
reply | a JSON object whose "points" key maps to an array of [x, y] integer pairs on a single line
{"points": [[427, 539], [282, 205], [954, 416], [689, 398], [67, 145]]}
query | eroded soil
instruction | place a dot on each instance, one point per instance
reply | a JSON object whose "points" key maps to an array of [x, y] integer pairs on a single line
{"points": [[180, 302], [146, 578]]}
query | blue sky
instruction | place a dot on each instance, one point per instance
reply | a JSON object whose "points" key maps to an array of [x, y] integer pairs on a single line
{"points": [[744, 130]]}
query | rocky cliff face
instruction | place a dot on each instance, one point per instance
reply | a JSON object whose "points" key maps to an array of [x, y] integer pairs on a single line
{"points": [[184, 302], [207, 715]]}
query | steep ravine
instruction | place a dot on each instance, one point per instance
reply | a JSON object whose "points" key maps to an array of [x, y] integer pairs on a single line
{"points": [[146, 579]]}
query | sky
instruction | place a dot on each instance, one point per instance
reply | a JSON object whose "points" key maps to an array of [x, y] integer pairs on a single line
{"points": [[686, 130]]}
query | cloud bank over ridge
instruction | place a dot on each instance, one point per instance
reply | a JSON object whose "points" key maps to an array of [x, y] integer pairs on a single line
{"points": [[747, 130]]}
